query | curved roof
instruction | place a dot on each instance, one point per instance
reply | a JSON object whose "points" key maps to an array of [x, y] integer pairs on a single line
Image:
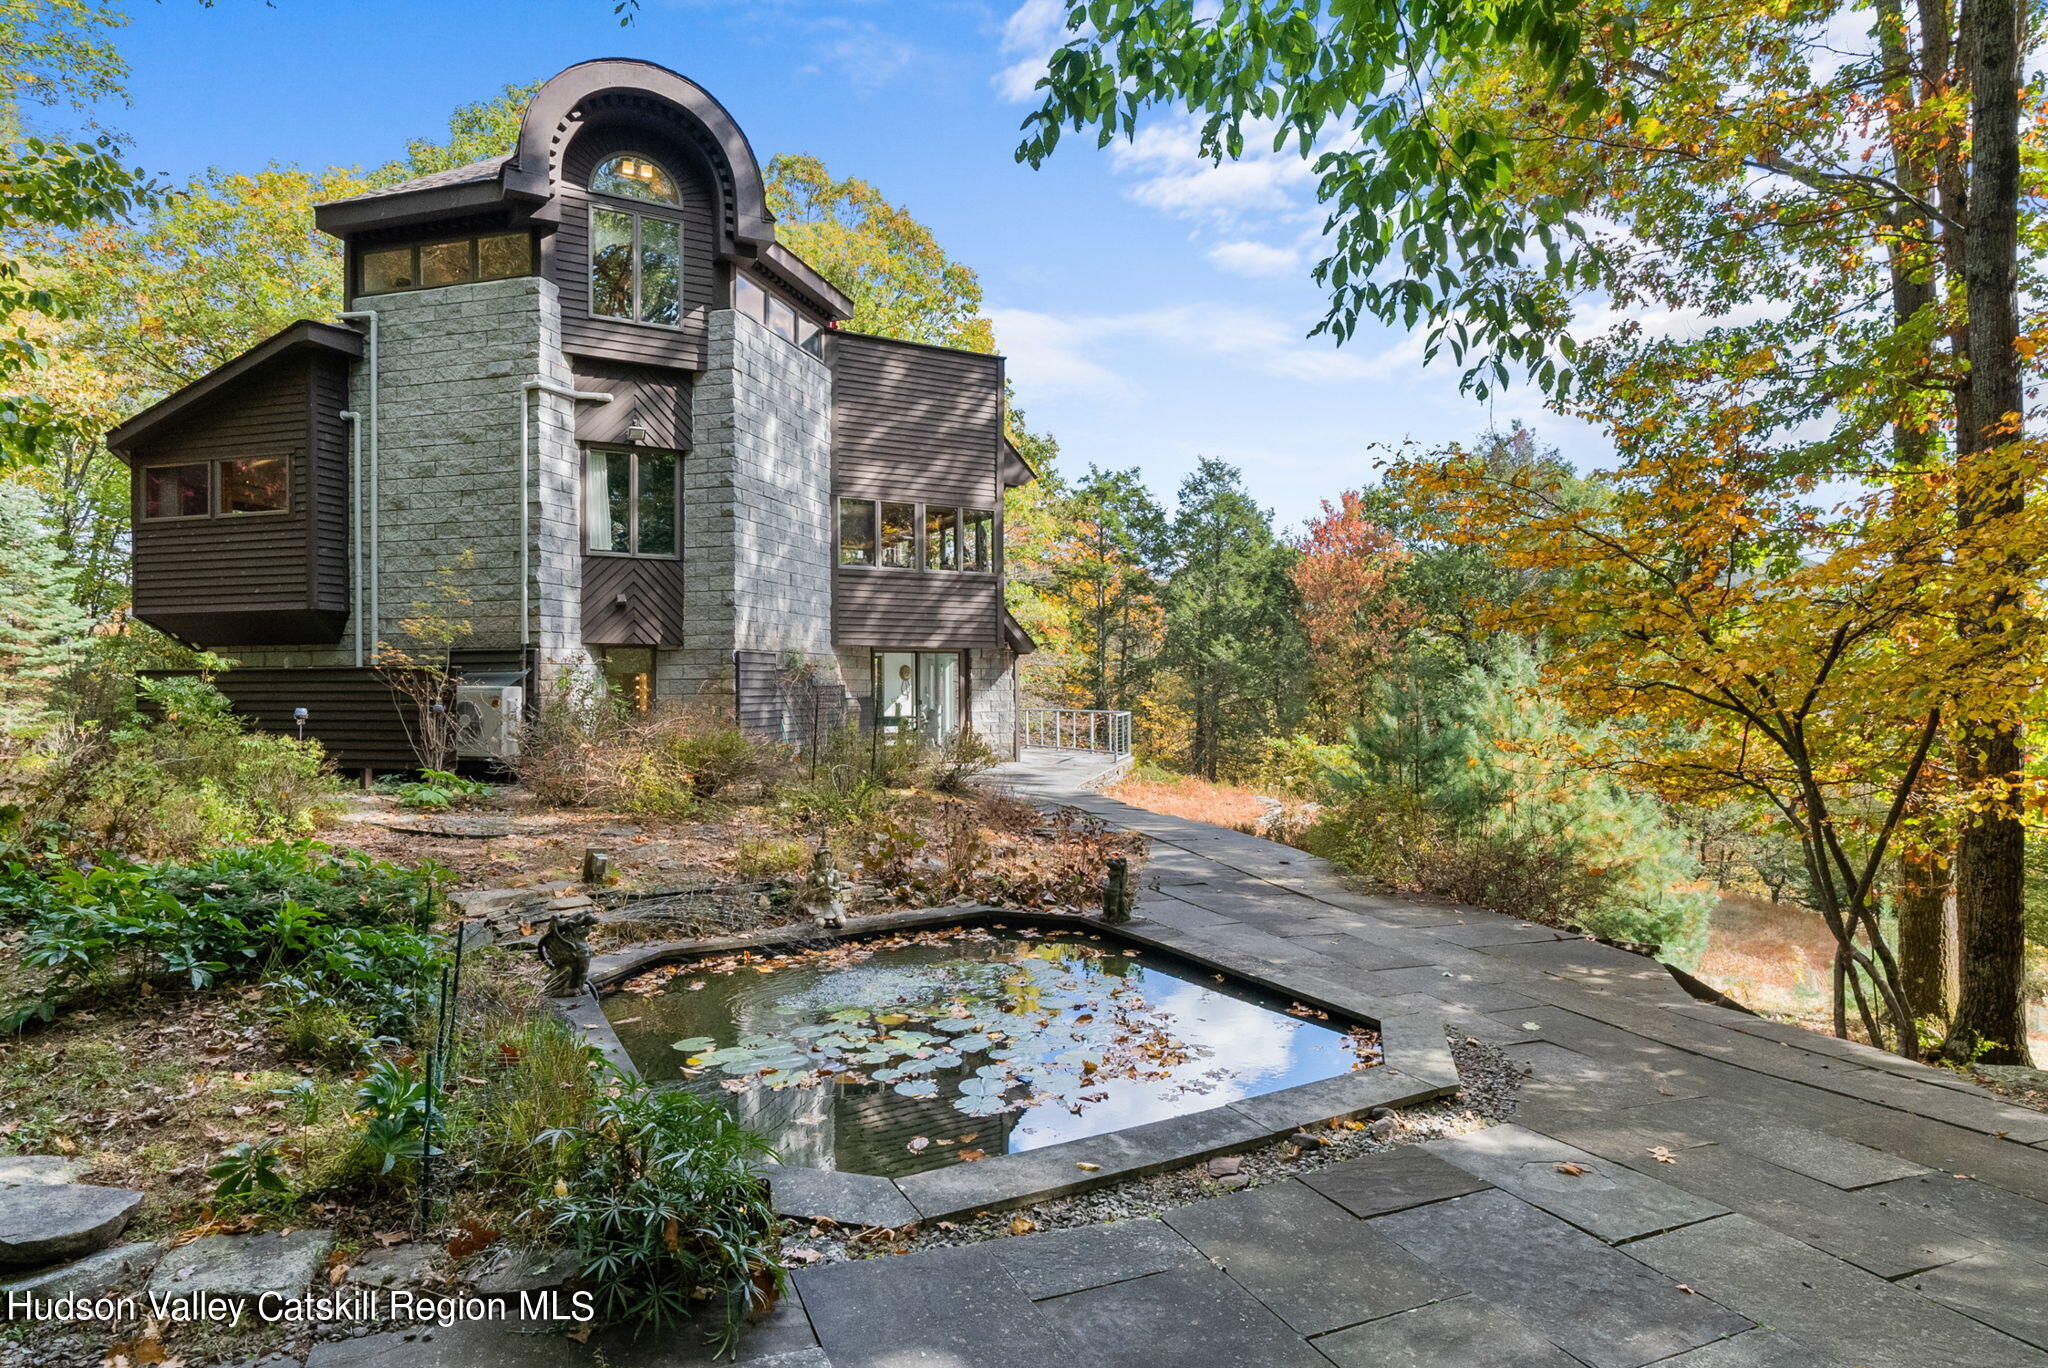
{"points": [[542, 126], [526, 173]]}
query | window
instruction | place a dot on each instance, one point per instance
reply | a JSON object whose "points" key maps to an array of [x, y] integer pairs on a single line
{"points": [[636, 267], [458, 261], [629, 674], [917, 695], [781, 319], [942, 539], [176, 491], [632, 176], [778, 315], [978, 542], [229, 486], [629, 503], [899, 536], [856, 532], [254, 484]]}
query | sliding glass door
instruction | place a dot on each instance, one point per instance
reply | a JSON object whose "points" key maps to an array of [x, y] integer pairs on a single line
{"points": [[917, 695]]}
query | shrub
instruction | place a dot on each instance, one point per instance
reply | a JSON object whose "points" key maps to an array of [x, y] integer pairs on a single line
{"points": [[1474, 794], [717, 759], [767, 857], [660, 1194], [435, 790], [319, 928]]}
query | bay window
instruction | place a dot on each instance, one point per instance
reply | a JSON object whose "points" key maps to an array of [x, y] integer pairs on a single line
{"points": [[226, 486]]}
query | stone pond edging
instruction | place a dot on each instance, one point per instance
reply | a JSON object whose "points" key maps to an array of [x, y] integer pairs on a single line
{"points": [[1416, 1068]]}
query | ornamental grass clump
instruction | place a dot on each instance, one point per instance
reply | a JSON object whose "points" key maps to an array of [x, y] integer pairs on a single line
{"points": [[661, 1197]]}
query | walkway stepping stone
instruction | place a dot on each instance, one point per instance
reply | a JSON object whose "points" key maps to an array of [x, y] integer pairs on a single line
{"points": [[2016, 1168], [1752, 1349], [1979, 1211], [1591, 1300], [243, 1267], [855, 1199], [1776, 1280], [2001, 1288], [1583, 1079], [1803, 1149], [1312, 1263], [402, 1265], [1057, 1262], [945, 1307], [42, 1223], [1455, 1334], [1416, 1044], [89, 1276], [1197, 1318], [1394, 1181], [1598, 1196]]}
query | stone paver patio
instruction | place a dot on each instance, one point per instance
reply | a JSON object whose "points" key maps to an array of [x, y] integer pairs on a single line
{"points": [[1750, 1195]]}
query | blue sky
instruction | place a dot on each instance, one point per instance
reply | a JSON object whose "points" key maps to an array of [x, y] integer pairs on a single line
{"points": [[1154, 309]]}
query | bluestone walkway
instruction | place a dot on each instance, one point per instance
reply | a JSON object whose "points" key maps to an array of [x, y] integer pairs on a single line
{"points": [[1737, 1194]]}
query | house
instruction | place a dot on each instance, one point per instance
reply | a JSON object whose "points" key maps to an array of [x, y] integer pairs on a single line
{"points": [[581, 388]]}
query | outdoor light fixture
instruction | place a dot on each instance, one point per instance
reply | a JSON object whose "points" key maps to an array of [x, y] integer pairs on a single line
{"points": [[299, 716], [636, 434]]}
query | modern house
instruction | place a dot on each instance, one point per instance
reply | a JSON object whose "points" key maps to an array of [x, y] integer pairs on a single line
{"points": [[581, 391]]}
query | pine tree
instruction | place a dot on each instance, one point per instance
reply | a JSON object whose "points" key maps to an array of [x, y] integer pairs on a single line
{"points": [[42, 629]]}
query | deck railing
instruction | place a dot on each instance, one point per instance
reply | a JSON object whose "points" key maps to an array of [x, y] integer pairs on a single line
{"points": [[1105, 730]]}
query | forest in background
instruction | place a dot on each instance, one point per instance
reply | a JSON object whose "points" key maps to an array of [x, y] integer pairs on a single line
{"points": [[1787, 642]]}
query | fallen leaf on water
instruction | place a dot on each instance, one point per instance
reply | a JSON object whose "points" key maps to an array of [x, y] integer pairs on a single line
{"points": [[917, 1142], [971, 1156], [1571, 1170]]}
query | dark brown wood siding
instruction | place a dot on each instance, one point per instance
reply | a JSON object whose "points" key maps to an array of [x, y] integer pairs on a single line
{"points": [[261, 579], [910, 608], [568, 250], [656, 398], [915, 423], [632, 601]]}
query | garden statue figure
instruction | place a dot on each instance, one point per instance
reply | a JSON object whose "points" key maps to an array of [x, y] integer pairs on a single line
{"points": [[565, 948], [1116, 891], [824, 892]]}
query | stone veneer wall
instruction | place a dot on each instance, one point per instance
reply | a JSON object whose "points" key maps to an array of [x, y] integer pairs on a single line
{"points": [[992, 687], [757, 510], [453, 365]]}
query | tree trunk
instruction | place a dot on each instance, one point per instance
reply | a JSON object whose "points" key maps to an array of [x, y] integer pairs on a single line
{"points": [[1927, 935], [1990, 1019]]}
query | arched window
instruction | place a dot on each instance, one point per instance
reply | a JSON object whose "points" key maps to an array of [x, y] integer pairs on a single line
{"points": [[631, 175]]}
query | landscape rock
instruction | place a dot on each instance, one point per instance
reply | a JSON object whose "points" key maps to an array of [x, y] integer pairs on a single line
{"points": [[41, 1170], [89, 1276], [401, 1265], [43, 1223], [1223, 1165], [513, 1271], [243, 1267]]}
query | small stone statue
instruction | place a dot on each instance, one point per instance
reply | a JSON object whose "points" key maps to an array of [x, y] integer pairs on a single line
{"points": [[824, 892], [1116, 891], [565, 948]]}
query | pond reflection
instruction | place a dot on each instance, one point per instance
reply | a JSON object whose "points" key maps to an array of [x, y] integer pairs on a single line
{"points": [[904, 1053]]}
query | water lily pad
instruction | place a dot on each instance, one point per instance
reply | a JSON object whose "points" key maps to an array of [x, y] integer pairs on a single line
{"points": [[694, 1044], [979, 1106], [972, 1044], [918, 1087], [984, 1087], [955, 1025]]}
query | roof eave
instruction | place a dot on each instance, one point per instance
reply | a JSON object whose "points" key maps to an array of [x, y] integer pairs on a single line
{"points": [[345, 218], [175, 407]]}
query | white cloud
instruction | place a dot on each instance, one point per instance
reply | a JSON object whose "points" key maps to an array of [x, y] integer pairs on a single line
{"points": [[1030, 34], [1174, 177], [1076, 354], [1257, 259]]}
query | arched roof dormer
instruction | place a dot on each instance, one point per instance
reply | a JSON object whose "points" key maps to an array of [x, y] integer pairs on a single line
{"points": [[632, 91]]}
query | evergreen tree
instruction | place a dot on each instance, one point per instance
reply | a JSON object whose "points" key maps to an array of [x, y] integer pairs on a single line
{"points": [[1114, 536], [42, 630], [1232, 634]]}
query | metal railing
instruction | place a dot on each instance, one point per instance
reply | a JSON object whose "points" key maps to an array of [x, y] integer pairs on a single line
{"points": [[1107, 730]]}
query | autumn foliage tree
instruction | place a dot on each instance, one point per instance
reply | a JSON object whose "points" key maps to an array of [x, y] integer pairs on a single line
{"points": [[1354, 620]]}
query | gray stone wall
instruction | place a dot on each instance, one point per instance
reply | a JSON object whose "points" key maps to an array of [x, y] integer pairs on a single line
{"points": [[452, 368], [757, 510], [992, 690]]}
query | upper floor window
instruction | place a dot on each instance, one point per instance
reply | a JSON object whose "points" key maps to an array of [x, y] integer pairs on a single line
{"points": [[636, 267], [225, 487], [632, 176], [629, 502], [457, 261], [886, 534], [780, 316]]}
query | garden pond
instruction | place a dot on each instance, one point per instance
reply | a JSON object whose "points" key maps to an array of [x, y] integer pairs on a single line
{"points": [[900, 1053]]}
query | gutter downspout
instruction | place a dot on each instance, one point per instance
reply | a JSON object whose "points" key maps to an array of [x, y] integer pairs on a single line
{"points": [[528, 391], [376, 563], [355, 526]]}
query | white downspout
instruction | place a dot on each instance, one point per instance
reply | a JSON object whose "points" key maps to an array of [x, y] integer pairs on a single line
{"points": [[527, 392], [355, 526], [376, 563]]}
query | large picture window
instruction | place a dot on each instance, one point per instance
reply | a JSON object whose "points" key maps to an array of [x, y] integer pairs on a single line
{"points": [[907, 536], [629, 502], [917, 695], [636, 260]]}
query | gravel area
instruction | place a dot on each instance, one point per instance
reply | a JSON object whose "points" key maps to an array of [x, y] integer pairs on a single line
{"points": [[1489, 1083]]}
